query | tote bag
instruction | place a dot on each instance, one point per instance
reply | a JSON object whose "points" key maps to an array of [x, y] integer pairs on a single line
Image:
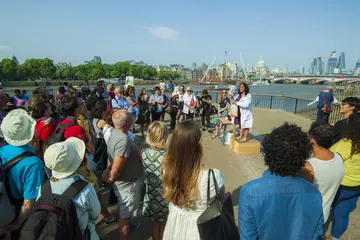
{"points": [[217, 221]]}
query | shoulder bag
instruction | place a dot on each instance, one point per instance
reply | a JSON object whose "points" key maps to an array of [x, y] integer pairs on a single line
{"points": [[327, 108], [217, 221]]}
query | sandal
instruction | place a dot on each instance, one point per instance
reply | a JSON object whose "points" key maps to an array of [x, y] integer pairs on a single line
{"points": [[111, 219]]}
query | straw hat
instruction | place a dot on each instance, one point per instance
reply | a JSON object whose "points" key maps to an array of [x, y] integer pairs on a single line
{"points": [[18, 127], [64, 158]]}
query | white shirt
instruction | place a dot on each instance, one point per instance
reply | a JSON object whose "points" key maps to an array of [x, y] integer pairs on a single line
{"points": [[328, 176], [187, 100]]}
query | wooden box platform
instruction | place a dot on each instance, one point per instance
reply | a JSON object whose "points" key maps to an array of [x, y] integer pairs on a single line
{"points": [[252, 146]]}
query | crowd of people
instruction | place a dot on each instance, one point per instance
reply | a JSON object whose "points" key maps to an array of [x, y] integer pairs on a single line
{"points": [[71, 144]]}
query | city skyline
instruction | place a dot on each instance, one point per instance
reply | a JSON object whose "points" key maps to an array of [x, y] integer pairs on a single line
{"points": [[183, 32]]}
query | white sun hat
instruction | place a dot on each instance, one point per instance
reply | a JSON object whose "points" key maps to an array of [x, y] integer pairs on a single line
{"points": [[18, 127], [64, 158]]}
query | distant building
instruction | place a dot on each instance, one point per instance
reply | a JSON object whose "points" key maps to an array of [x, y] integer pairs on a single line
{"points": [[302, 70], [193, 66], [278, 71], [332, 62], [232, 70], [96, 59], [357, 64], [341, 62], [316, 66], [261, 69]]}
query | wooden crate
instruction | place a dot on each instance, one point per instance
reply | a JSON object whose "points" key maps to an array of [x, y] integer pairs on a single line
{"points": [[252, 146]]}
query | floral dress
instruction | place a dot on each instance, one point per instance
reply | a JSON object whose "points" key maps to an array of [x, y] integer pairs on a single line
{"points": [[155, 206]]}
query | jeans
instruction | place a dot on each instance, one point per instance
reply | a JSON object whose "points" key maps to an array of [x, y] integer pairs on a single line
{"points": [[155, 116], [205, 115], [322, 117], [189, 116], [173, 119], [344, 203]]}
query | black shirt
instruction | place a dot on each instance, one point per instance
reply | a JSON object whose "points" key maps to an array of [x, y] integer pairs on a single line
{"points": [[224, 102], [338, 130], [204, 105]]}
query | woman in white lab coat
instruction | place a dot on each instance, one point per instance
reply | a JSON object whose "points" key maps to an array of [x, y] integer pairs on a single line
{"points": [[246, 118]]}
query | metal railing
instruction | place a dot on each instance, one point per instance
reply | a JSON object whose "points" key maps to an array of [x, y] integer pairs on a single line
{"points": [[290, 104]]}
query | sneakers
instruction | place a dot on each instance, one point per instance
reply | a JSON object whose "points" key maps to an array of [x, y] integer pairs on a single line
{"points": [[214, 136], [242, 140], [134, 226]]}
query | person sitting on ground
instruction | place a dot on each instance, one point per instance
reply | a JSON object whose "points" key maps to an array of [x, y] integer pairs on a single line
{"points": [[125, 170], [348, 106], [25, 178], [185, 182], [65, 160], [280, 197], [349, 191], [155, 206], [325, 169]]}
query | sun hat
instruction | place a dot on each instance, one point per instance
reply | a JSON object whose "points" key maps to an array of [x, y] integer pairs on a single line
{"points": [[64, 158], [174, 94], [18, 127], [188, 89]]}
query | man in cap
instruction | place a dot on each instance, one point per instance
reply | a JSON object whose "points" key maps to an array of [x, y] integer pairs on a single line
{"points": [[26, 177]]}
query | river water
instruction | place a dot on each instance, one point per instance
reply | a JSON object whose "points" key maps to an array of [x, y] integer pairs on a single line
{"points": [[308, 92]]}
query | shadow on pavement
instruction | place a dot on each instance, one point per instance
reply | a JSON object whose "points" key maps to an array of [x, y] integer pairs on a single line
{"points": [[235, 196]]}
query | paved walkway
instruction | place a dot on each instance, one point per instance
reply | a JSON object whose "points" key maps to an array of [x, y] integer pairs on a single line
{"points": [[237, 170]]}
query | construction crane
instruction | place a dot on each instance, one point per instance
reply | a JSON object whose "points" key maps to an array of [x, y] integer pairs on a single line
{"points": [[207, 70]]}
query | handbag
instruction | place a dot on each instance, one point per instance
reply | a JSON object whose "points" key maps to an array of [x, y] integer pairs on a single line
{"points": [[327, 108], [217, 221]]}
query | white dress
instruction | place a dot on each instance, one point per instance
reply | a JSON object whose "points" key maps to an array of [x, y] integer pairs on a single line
{"points": [[246, 117], [181, 223]]}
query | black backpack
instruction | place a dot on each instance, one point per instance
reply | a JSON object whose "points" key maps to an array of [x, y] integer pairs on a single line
{"points": [[7, 203], [54, 216], [57, 136]]}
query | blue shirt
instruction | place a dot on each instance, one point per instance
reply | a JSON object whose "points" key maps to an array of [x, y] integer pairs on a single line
{"points": [[120, 103], [325, 97], [157, 98], [105, 95], [86, 202], [282, 208], [26, 177]]}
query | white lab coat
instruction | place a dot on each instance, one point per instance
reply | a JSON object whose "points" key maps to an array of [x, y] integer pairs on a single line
{"points": [[246, 117], [187, 100]]}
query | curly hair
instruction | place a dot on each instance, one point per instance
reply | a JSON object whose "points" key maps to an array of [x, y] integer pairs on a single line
{"points": [[286, 149], [352, 132], [322, 133], [246, 86]]}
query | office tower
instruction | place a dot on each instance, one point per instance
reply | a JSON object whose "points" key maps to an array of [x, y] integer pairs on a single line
{"points": [[302, 70], [317, 66], [357, 64], [341, 62], [97, 59], [332, 62]]}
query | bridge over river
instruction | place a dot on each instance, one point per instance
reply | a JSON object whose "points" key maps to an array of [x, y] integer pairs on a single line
{"points": [[315, 79]]}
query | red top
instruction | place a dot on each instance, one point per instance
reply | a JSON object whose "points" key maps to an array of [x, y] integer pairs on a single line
{"points": [[45, 127], [75, 131]]}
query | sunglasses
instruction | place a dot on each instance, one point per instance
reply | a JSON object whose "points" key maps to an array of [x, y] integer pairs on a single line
{"points": [[188, 90], [223, 92]]}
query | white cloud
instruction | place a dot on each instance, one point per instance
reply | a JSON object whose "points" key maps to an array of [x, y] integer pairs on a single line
{"points": [[164, 32], [4, 48]]}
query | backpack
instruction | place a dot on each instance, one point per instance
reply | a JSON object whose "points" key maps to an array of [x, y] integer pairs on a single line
{"points": [[57, 136], [7, 208], [54, 216]]}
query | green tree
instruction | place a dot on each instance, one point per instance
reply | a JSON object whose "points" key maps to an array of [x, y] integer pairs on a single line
{"points": [[66, 73], [81, 71], [9, 69], [47, 68], [30, 69], [96, 70]]}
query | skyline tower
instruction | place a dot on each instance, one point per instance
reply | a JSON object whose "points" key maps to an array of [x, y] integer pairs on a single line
{"points": [[332, 61], [341, 62]]}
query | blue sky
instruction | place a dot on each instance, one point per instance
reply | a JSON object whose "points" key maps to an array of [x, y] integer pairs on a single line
{"points": [[159, 32]]}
